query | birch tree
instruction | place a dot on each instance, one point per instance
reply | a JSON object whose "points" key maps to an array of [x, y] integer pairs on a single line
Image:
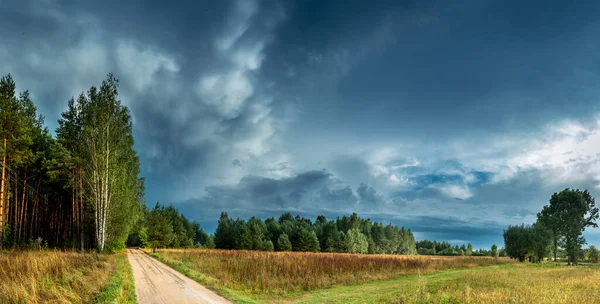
{"points": [[110, 163]]}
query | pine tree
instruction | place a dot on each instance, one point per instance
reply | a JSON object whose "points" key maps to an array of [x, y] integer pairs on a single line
{"points": [[9, 115], [283, 243], [223, 238], [307, 241]]}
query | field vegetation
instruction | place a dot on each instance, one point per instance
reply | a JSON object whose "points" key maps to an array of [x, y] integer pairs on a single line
{"points": [[280, 273], [506, 283], [291, 277], [62, 277]]}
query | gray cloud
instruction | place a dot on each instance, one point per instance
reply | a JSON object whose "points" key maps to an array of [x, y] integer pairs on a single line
{"points": [[416, 109]]}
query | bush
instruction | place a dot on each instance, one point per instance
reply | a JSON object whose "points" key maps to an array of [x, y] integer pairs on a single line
{"points": [[593, 254]]}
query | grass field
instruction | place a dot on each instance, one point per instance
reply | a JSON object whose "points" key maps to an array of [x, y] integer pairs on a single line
{"points": [[250, 276], [62, 277], [508, 283]]}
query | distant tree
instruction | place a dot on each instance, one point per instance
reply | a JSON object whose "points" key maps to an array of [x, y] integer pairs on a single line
{"points": [[210, 243], [593, 254], [267, 245], [144, 240], [502, 252], [242, 236], [283, 243], [160, 229], [494, 251], [273, 229], [568, 214], [258, 232], [541, 239], [307, 241], [469, 250], [550, 219], [356, 242], [518, 243], [223, 235], [200, 236]]}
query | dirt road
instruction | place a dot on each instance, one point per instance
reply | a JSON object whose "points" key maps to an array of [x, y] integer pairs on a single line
{"points": [[156, 282]]}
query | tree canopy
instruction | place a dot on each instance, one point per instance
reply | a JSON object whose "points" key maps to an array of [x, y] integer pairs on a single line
{"points": [[345, 234]]}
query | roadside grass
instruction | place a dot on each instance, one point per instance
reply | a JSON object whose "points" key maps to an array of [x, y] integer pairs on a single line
{"points": [[252, 276], [53, 276], [120, 288]]}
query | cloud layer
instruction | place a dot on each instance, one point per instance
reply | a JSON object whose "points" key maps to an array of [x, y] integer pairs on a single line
{"points": [[454, 120]]}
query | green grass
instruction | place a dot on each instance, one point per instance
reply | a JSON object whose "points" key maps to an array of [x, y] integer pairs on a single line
{"points": [[511, 283], [506, 282], [120, 288]]}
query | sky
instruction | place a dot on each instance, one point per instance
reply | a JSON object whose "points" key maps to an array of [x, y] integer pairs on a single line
{"points": [[452, 118]]}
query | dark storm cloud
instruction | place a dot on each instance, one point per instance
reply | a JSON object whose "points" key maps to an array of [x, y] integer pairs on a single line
{"points": [[416, 109]]}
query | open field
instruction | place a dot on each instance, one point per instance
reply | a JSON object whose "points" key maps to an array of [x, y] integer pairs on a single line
{"points": [[508, 283], [62, 277], [250, 275]]}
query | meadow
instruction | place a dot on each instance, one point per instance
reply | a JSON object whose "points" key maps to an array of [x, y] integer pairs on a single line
{"points": [[49, 276], [249, 276], [506, 283]]}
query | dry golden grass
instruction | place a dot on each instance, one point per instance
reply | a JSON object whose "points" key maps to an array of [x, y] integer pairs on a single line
{"points": [[282, 272], [529, 284], [52, 276]]}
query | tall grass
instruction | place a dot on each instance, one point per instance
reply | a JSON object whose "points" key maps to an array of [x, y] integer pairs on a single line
{"points": [[281, 272], [526, 284], [120, 288], [52, 276]]}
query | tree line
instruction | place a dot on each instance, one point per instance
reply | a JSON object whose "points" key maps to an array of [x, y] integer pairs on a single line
{"points": [[80, 188], [559, 226], [163, 226], [427, 247], [350, 234]]}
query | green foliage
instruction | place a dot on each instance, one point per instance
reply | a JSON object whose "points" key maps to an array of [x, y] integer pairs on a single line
{"points": [[356, 242], [307, 241], [518, 242], [283, 243], [427, 247], [593, 254], [523, 242], [469, 250], [494, 251], [210, 243], [541, 238], [322, 235], [267, 245], [120, 288], [114, 246], [566, 216], [223, 238], [160, 229]]}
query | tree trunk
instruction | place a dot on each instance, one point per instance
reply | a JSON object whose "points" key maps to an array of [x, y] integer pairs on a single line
{"points": [[2, 193], [22, 206], [80, 192], [555, 245], [73, 209]]}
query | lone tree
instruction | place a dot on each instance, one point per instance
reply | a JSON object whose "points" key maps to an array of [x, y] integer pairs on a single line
{"points": [[494, 251], [160, 229], [567, 216], [518, 242]]}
